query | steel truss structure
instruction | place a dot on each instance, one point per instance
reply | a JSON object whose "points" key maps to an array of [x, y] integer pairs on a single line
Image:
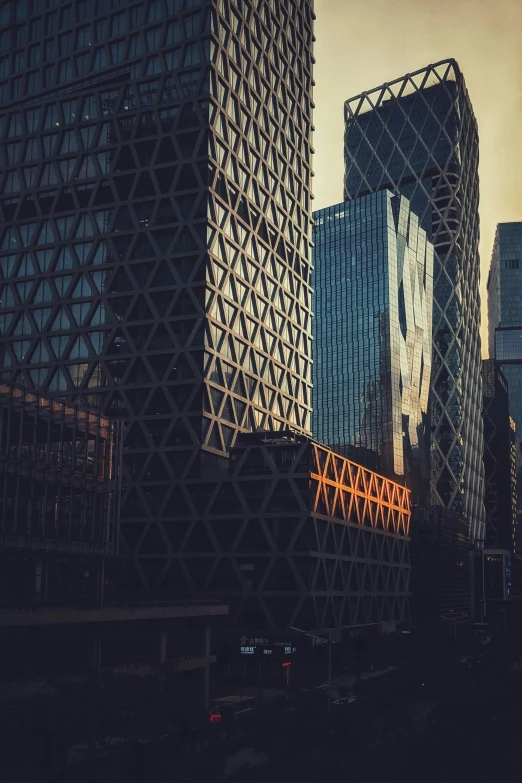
{"points": [[58, 496], [418, 136], [299, 535]]}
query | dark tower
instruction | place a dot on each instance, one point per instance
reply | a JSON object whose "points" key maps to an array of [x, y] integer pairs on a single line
{"points": [[418, 136], [505, 325], [155, 238], [500, 460]]}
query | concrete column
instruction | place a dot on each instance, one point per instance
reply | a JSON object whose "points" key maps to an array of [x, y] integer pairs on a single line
{"points": [[101, 585], [162, 647], [94, 651], [206, 696]]}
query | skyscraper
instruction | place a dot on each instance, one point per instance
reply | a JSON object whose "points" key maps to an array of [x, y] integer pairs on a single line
{"points": [[505, 326], [373, 304], [156, 226], [505, 316], [418, 136], [500, 463]]}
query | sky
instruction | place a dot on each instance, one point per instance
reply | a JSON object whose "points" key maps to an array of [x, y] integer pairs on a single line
{"points": [[363, 43]]}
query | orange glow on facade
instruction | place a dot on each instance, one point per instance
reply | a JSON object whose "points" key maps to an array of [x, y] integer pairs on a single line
{"points": [[347, 492], [323, 542]]}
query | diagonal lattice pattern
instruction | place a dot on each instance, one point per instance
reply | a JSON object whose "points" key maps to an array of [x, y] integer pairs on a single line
{"points": [[156, 225], [418, 136]]}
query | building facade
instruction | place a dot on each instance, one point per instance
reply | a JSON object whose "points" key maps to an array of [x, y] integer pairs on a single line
{"points": [[500, 460], [442, 566], [60, 471], [307, 538], [59, 487], [505, 317], [373, 284], [156, 227], [418, 136]]}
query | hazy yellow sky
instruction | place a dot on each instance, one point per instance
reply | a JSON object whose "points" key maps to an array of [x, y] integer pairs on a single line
{"points": [[363, 43]]}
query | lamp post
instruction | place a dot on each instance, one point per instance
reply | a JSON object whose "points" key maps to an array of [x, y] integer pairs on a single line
{"points": [[329, 642], [483, 596], [329, 670], [504, 612]]}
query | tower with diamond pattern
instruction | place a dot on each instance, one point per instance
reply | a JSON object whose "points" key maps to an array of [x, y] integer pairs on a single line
{"points": [[418, 136]]}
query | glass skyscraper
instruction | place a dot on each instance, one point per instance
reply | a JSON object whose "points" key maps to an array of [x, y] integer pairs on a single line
{"points": [[418, 136], [155, 238], [373, 282]]}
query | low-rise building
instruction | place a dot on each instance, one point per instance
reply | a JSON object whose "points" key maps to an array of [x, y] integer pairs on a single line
{"points": [[60, 467], [307, 538]]}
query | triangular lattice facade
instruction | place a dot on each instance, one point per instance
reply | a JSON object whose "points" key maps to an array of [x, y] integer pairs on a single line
{"points": [[155, 241], [300, 536]]}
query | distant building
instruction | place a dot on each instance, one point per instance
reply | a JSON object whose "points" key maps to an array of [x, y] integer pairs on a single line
{"points": [[499, 460], [504, 300], [417, 135], [441, 567], [505, 321], [498, 567], [373, 281]]}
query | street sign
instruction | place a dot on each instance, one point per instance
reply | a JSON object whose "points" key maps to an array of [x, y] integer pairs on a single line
{"points": [[244, 640]]}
